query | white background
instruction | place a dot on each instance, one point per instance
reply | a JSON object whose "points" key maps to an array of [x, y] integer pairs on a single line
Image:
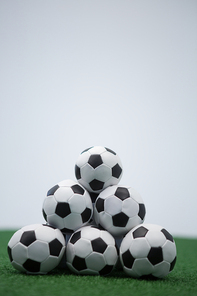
{"points": [[121, 74]]}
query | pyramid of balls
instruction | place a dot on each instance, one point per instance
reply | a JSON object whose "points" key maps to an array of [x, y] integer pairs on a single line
{"points": [[94, 225]]}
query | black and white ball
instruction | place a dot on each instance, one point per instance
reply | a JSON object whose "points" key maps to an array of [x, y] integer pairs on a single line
{"points": [[36, 249], [91, 251], [97, 168], [67, 206], [118, 209], [148, 250]]}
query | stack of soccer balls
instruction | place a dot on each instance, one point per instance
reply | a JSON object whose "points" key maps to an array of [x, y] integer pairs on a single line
{"points": [[94, 225]]}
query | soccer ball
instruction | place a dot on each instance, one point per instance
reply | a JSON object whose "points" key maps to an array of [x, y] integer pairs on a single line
{"points": [[148, 250], [67, 206], [118, 209], [91, 251], [97, 168], [36, 249]]}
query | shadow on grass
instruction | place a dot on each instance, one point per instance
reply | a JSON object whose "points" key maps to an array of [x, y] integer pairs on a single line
{"points": [[116, 274]]}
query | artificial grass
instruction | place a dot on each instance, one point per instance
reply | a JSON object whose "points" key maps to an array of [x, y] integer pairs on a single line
{"points": [[181, 281]]}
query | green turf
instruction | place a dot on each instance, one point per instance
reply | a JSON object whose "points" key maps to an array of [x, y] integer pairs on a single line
{"points": [[181, 281]]}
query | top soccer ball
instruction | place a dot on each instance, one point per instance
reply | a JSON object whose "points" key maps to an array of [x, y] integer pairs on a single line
{"points": [[97, 168]]}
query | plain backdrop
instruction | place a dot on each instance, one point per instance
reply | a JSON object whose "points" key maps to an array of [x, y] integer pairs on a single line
{"points": [[115, 73]]}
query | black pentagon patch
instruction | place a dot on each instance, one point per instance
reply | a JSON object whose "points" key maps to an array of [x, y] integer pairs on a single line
{"points": [[78, 189], [77, 172], [109, 150], [167, 235], [96, 184], [86, 149], [120, 219], [62, 209], [98, 245], [149, 277], [172, 264], [66, 230], [122, 193], [140, 232], [75, 237], [52, 190], [95, 160], [10, 253], [44, 214], [155, 255], [79, 263], [93, 196], [55, 247], [86, 214], [128, 259], [99, 204], [116, 171], [142, 211], [28, 237], [106, 270], [31, 265]]}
